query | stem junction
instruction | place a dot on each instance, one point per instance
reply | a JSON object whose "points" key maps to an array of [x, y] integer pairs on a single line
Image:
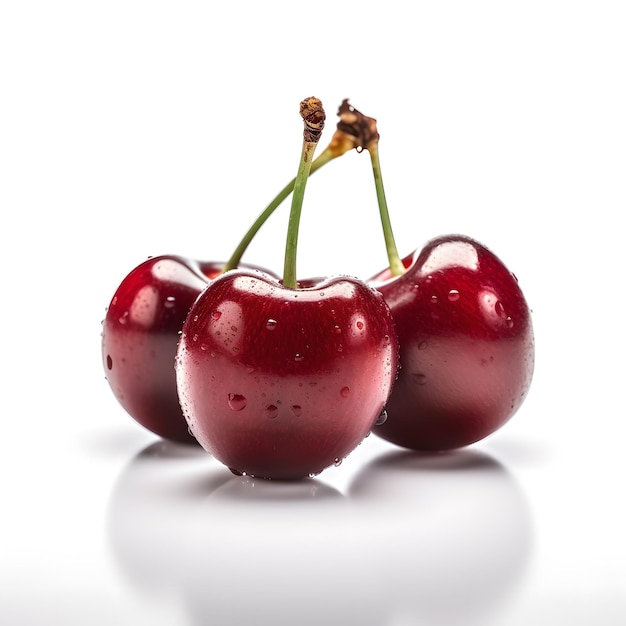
{"points": [[342, 141], [354, 131]]}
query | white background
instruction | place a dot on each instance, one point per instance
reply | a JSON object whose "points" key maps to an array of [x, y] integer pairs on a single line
{"points": [[130, 129]]}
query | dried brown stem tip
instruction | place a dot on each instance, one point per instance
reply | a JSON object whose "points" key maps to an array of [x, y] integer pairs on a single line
{"points": [[313, 114], [361, 128]]}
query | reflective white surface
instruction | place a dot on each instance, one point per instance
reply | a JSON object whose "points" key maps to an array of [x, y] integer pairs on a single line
{"points": [[123, 135]]}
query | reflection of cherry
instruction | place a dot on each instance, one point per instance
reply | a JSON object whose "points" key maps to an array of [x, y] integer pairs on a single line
{"points": [[293, 550], [182, 530], [466, 345], [449, 533], [140, 333], [151, 511]]}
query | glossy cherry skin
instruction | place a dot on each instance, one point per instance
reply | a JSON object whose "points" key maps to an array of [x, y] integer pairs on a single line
{"points": [[140, 333], [466, 345], [282, 383]]}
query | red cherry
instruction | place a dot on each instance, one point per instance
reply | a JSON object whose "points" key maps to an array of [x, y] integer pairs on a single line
{"points": [[466, 345], [281, 383], [139, 338], [140, 333]]}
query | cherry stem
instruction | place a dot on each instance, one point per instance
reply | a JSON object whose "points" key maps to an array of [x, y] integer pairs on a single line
{"points": [[323, 158], [313, 115], [395, 262], [342, 141], [364, 133]]}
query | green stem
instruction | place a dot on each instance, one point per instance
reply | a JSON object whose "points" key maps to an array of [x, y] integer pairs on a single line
{"points": [[314, 117], [395, 262], [291, 246], [327, 155]]}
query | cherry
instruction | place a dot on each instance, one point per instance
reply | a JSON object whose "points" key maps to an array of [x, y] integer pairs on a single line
{"points": [[281, 383], [465, 333], [277, 381], [140, 334], [466, 345]]}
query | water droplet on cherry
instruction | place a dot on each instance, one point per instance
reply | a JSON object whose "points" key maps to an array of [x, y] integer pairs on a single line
{"points": [[419, 379], [236, 472], [434, 299], [422, 345], [296, 409], [298, 357], [271, 411], [236, 401], [382, 418], [216, 315], [499, 309], [345, 392], [109, 362], [271, 324], [453, 295], [170, 302], [338, 462], [360, 325], [337, 330]]}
